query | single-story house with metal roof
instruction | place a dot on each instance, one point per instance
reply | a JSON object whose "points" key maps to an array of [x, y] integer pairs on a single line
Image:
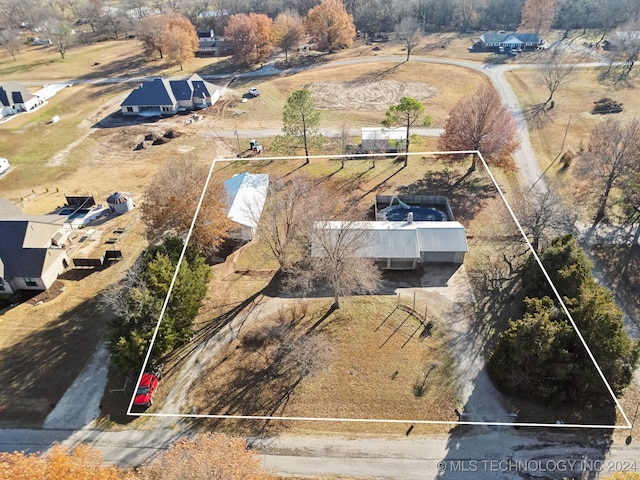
{"points": [[516, 40], [32, 251], [246, 196], [404, 245], [381, 140], [165, 96], [15, 98]]}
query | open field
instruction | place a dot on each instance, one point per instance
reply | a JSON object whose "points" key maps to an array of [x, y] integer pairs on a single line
{"points": [[107, 59], [356, 95], [571, 114]]}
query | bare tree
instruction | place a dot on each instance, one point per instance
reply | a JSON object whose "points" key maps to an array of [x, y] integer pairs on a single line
{"points": [[409, 33], [467, 12], [344, 140], [537, 15], [60, 33], [92, 11], [338, 261], [11, 41], [116, 21], [541, 216], [614, 153], [127, 307], [627, 43], [288, 215], [23, 13], [138, 8], [377, 144], [554, 73]]}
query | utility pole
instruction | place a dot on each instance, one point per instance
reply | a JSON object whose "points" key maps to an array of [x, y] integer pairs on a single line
{"points": [[237, 138]]}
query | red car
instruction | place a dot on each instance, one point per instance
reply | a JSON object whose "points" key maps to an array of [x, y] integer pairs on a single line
{"points": [[146, 389]]}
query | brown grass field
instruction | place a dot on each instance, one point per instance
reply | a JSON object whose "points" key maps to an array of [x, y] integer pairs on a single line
{"points": [[571, 114], [90, 151]]}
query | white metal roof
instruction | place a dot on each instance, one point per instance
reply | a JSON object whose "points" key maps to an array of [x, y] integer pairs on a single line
{"points": [[403, 239], [379, 133], [246, 194]]}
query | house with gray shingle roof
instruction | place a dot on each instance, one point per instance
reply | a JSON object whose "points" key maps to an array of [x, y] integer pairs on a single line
{"points": [[15, 98], [517, 40], [32, 250], [165, 96]]}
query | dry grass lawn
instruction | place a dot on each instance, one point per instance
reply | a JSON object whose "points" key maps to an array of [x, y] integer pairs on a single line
{"points": [[573, 105], [378, 366]]}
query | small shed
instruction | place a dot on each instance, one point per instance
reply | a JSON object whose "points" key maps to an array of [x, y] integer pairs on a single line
{"points": [[382, 140], [120, 202]]}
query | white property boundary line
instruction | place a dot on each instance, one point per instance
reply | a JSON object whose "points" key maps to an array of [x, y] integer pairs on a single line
{"points": [[373, 420]]}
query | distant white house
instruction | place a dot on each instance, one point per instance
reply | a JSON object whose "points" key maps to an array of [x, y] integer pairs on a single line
{"points": [[377, 139], [404, 245], [165, 96], [15, 98], [621, 38], [516, 40], [246, 196]]}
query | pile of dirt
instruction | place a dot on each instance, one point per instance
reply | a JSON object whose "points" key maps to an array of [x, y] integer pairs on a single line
{"points": [[171, 134], [157, 139]]}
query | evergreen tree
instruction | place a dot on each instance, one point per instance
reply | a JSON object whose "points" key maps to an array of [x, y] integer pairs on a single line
{"points": [[567, 264], [300, 119], [139, 301], [541, 356]]}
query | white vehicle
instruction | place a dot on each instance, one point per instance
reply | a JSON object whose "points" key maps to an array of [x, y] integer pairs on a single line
{"points": [[254, 91], [4, 165]]}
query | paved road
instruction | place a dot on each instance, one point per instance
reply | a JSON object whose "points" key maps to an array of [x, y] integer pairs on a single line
{"points": [[499, 453], [327, 132]]}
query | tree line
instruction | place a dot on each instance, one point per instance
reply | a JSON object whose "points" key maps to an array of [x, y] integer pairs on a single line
{"points": [[68, 21]]}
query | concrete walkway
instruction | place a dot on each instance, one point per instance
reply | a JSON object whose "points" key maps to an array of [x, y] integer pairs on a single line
{"points": [[80, 405]]}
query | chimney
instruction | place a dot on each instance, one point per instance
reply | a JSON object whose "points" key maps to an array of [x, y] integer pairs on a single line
{"points": [[410, 218]]}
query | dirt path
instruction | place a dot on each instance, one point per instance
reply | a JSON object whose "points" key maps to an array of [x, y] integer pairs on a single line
{"points": [[87, 125]]}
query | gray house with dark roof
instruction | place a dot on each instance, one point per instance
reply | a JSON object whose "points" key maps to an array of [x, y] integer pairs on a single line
{"points": [[523, 41], [15, 98], [32, 251], [165, 96]]}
